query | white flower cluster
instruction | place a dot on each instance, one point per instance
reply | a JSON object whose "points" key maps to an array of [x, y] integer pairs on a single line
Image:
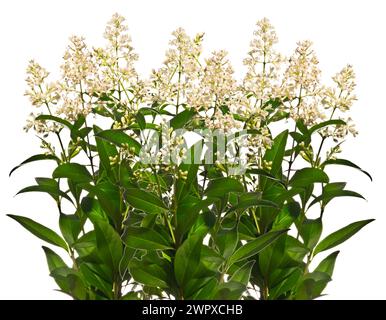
{"points": [[263, 65], [104, 80], [179, 71]]}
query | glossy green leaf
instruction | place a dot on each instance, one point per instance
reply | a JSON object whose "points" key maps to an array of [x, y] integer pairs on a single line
{"points": [[217, 188], [145, 238], [40, 231], [70, 226], [94, 279], [55, 119], [286, 216], [341, 235], [149, 273], [328, 195], [264, 174], [305, 177], [276, 153], [255, 246], [145, 201], [323, 124], [187, 258], [182, 118], [55, 262], [243, 274], [226, 241], [344, 162], [109, 199], [109, 244], [311, 230], [252, 199], [327, 264], [105, 151], [119, 138], [72, 171], [52, 190], [37, 157]]}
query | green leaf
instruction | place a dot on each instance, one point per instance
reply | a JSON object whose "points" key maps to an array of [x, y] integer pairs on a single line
{"points": [[187, 258], [344, 162], [341, 235], [109, 199], [181, 118], [119, 138], [105, 150], [70, 227], [36, 157], [265, 174], [226, 241], [149, 273], [184, 186], [327, 264], [187, 211], [302, 127], [141, 120], [287, 216], [287, 284], [307, 176], [243, 274], [145, 238], [325, 124], [55, 262], [255, 246], [40, 231], [276, 153], [72, 171], [94, 279], [329, 194], [217, 188], [109, 244], [52, 190], [252, 199], [312, 285], [145, 201], [55, 119], [311, 231]]}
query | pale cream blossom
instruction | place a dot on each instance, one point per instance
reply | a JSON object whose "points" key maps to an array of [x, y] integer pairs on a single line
{"points": [[263, 64], [216, 85], [341, 96], [180, 69], [40, 91]]}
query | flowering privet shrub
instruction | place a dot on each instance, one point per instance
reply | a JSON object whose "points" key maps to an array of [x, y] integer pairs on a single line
{"points": [[185, 185]]}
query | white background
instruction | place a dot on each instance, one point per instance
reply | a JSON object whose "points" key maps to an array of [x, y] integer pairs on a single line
{"points": [[342, 31]]}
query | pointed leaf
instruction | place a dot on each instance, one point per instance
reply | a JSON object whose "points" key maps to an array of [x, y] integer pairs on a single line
{"points": [[120, 138], [109, 244], [36, 157], [40, 231], [219, 187], [145, 201], [305, 177], [73, 171], [327, 264], [276, 153], [145, 238], [344, 162], [187, 258], [325, 124], [55, 119], [255, 246], [341, 235]]}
